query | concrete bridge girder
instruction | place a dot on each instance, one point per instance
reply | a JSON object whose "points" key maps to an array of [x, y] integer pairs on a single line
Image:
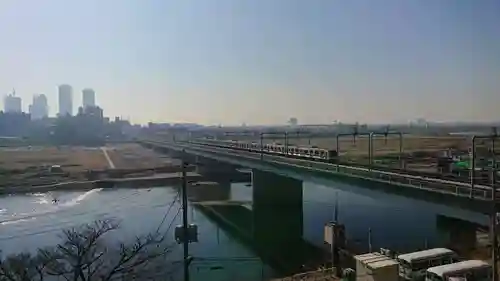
{"points": [[213, 166]]}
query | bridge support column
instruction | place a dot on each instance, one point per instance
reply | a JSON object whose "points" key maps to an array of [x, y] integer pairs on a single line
{"points": [[278, 217]]}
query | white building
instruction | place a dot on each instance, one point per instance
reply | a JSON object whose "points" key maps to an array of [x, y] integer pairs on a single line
{"points": [[12, 104], [39, 109], [65, 100], [88, 98]]}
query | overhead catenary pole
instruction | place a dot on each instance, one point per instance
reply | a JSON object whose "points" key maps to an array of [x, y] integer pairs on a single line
{"points": [[349, 134], [472, 168], [494, 244], [185, 223], [385, 134], [262, 134], [261, 146], [494, 202]]}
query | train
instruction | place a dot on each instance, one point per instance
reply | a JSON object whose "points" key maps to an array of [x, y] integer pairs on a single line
{"points": [[292, 151]]}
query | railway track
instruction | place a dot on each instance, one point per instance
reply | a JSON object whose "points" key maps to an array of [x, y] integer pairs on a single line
{"points": [[440, 176]]}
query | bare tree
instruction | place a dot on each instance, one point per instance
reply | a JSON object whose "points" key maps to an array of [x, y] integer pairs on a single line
{"points": [[84, 255]]}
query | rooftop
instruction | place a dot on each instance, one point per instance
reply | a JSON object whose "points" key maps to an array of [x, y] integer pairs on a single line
{"points": [[425, 254], [375, 260], [440, 270]]}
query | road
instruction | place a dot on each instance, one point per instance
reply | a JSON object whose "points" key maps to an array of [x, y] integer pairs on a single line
{"points": [[110, 162]]}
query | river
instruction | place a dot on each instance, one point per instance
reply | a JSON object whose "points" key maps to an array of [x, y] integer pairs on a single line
{"points": [[28, 222]]}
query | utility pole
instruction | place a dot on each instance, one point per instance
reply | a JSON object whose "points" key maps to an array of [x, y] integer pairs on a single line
{"points": [[494, 245], [335, 239], [185, 223]]}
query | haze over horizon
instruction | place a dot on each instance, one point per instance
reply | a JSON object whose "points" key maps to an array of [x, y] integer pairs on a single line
{"points": [[259, 61]]}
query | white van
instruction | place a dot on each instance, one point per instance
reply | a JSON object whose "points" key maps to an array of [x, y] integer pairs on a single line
{"points": [[470, 270], [414, 265]]}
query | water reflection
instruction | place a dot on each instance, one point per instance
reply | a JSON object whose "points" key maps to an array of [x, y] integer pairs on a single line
{"points": [[398, 223], [32, 221]]}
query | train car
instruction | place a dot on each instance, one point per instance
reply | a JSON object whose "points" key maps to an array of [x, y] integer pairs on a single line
{"points": [[292, 151]]}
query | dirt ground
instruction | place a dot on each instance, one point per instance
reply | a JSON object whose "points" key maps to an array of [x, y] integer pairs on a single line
{"points": [[419, 152], [23, 166], [71, 159], [134, 156]]}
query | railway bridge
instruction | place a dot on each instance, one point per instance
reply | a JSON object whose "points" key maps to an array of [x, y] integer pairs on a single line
{"points": [[441, 191], [277, 185]]}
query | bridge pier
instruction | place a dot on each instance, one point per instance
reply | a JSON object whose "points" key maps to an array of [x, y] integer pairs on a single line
{"points": [[278, 217]]}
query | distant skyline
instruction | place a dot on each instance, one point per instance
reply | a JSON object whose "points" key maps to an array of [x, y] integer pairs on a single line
{"points": [[258, 61]]}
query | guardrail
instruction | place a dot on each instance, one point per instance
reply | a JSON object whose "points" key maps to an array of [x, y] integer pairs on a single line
{"points": [[460, 189]]}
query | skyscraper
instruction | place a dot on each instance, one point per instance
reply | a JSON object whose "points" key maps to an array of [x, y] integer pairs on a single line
{"points": [[88, 98], [12, 103], [40, 108], [65, 100]]}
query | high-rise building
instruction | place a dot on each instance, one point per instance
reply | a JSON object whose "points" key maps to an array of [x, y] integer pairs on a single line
{"points": [[88, 98], [293, 121], [65, 100], [39, 109], [12, 104], [94, 111]]}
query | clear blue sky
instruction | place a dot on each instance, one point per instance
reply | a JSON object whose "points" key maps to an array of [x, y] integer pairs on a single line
{"points": [[259, 61]]}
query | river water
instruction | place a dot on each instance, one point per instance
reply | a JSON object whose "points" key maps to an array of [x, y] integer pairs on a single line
{"points": [[28, 222]]}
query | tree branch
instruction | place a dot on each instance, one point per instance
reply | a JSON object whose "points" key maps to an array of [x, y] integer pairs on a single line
{"points": [[84, 256]]}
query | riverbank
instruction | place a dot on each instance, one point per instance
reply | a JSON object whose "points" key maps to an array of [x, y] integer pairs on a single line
{"points": [[33, 166], [44, 168], [134, 182]]}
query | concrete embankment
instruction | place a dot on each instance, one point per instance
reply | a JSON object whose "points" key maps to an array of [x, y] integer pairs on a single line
{"points": [[75, 185], [156, 180]]}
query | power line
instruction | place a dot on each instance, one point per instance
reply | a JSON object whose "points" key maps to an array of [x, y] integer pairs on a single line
{"points": [[168, 211], [173, 220]]}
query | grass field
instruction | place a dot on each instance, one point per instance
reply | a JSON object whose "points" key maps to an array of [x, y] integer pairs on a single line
{"points": [[382, 146], [418, 152], [134, 156], [23, 166], [71, 159]]}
